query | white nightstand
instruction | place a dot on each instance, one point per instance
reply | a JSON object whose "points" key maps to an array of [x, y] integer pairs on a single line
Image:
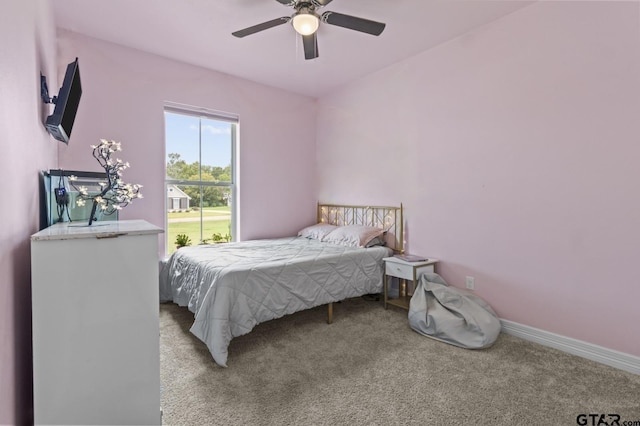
{"points": [[408, 273]]}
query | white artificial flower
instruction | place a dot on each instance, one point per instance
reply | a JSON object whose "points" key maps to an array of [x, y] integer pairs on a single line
{"points": [[118, 193]]}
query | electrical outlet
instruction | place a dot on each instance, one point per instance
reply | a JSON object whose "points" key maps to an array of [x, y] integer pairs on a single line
{"points": [[471, 283]]}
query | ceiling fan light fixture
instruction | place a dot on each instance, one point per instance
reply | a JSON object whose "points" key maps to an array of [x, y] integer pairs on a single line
{"points": [[305, 23]]}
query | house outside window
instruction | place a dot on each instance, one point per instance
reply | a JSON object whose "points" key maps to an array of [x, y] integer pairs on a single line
{"points": [[200, 181], [177, 199]]}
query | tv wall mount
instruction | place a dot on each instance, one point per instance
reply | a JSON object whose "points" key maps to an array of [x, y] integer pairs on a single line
{"points": [[44, 91]]}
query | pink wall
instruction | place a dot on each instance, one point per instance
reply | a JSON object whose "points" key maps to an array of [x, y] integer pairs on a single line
{"points": [[27, 48], [512, 148], [123, 95], [515, 151]]}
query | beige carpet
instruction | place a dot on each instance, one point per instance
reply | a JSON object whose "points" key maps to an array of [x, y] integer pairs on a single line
{"points": [[370, 368]]}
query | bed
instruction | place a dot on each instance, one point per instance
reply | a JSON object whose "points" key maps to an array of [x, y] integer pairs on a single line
{"points": [[232, 287]]}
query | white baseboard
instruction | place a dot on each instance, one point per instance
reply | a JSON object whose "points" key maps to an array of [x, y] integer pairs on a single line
{"points": [[582, 349]]}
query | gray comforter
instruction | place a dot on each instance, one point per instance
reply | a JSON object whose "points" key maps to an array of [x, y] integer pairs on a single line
{"points": [[452, 315], [232, 287]]}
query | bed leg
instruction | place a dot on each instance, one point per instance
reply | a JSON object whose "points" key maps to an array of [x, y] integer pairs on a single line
{"points": [[330, 313]]}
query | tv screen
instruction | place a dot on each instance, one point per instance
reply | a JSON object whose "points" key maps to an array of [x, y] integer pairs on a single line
{"points": [[60, 123]]}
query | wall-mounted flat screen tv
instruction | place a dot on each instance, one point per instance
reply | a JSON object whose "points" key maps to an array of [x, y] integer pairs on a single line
{"points": [[60, 123]]}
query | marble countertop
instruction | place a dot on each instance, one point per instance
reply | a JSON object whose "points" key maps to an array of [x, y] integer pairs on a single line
{"points": [[107, 229]]}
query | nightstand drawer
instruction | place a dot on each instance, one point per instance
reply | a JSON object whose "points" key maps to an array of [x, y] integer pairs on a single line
{"points": [[408, 273], [405, 271]]}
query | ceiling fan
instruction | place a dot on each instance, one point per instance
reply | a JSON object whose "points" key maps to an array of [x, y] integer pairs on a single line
{"points": [[306, 21]]}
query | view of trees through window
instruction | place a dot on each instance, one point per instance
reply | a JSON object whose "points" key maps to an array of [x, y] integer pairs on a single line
{"points": [[199, 177]]}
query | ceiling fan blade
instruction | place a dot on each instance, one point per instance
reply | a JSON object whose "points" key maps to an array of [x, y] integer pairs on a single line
{"points": [[320, 2], [287, 2], [310, 43], [261, 27], [353, 23]]}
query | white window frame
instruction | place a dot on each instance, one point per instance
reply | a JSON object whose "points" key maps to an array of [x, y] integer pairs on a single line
{"points": [[201, 113]]}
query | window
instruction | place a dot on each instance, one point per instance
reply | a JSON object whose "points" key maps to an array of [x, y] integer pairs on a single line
{"points": [[200, 175]]}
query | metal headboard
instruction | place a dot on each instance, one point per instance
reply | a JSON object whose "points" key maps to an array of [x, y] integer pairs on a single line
{"points": [[388, 218]]}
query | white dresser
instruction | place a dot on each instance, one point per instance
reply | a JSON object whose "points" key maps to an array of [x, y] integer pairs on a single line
{"points": [[95, 323]]}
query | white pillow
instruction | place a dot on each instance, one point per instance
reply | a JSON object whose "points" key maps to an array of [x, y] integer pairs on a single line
{"points": [[353, 235], [317, 231]]}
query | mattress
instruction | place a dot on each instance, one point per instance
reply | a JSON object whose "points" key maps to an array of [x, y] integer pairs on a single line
{"points": [[232, 287]]}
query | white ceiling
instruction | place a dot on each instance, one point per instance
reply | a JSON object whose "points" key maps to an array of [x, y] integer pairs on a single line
{"points": [[199, 32]]}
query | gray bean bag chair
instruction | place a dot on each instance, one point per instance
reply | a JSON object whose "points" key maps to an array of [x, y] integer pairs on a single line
{"points": [[452, 315]]}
